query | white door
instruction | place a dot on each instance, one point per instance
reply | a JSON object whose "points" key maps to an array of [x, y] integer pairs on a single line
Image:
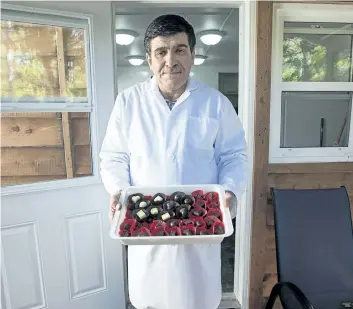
{"points": [[55, 248]]}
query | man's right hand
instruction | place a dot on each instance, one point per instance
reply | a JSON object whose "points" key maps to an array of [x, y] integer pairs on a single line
{"points": [[114, 205]]}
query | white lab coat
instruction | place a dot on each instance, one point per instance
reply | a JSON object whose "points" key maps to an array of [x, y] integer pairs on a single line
{"points": [[200, 141]]}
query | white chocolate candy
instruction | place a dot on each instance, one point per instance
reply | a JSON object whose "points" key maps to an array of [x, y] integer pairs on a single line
{"points": [[141, 214], [166, 216], [154, 211], [136, 198], [158, 199], [143, 204]]}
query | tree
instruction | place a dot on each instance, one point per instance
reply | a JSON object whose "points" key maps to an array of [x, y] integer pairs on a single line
{"points": [[311, 58]]}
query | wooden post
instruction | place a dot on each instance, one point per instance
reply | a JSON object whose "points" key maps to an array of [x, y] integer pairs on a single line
{"points": [[65, 116], [261, 151]]}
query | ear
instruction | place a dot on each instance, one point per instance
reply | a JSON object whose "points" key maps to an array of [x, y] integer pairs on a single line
{"points": [[193, 55]]}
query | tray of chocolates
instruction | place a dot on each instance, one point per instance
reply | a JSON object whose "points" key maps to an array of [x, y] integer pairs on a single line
{"points": [[184, 214]]}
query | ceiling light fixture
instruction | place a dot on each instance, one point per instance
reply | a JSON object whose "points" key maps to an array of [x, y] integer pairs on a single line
{"points": [[136, 60], [125, 37], [211, 37], [199, 59]]}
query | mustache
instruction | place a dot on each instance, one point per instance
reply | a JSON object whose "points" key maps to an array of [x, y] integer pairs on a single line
{"points": [[173, 70]]}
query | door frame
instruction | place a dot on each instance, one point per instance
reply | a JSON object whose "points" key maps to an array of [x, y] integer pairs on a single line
{"points": [[246, 71]]}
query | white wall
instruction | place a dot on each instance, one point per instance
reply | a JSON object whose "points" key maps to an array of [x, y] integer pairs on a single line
{"points": [[209, 74], [129, 76]]}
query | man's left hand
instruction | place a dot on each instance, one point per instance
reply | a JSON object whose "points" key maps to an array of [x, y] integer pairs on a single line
{"points": [[231, 202]]}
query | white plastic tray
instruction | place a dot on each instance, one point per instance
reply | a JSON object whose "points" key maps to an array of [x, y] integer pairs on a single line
{"points": [[169, 240]]}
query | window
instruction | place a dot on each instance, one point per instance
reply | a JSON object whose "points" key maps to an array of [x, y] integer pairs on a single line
{"points": [[45, 98], [312, 84]]}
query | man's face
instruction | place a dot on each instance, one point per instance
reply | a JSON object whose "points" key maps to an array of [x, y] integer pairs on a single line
{"points": [[171, 60]]}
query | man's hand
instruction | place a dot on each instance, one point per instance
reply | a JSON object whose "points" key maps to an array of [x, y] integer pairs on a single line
{"points": [[114, 204], [231, 202]]}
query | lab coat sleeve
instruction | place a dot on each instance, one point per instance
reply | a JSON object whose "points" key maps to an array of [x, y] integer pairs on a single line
{"points": [[114, 155], [231, 153]]}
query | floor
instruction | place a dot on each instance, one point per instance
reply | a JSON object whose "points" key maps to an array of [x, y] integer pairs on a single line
{"points": [[227, 256]]}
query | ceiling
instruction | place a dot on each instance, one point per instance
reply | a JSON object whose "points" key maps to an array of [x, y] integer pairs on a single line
{"points": [[225, 19]]}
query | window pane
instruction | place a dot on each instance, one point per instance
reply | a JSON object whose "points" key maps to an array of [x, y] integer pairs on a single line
{"points": [[315, 119], [75, 62], [39, 61], [39, 147], [317, 52]]}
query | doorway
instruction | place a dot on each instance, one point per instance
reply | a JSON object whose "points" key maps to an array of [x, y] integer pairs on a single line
{"points": [[217, 66]]}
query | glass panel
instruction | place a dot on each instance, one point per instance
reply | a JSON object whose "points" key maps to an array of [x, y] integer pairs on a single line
{"points": [[39, 147], [75, 62], [315, 119], [39, 61], [317, 52]]}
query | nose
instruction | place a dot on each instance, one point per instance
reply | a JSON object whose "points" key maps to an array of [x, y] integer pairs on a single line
{"points": [[170, 60]]}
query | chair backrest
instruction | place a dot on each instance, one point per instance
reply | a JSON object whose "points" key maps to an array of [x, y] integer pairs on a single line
{"points": [[314, 239]]}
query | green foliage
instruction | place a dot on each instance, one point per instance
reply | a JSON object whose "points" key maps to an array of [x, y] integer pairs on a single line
{"points": [[29, 61], [306, 58]]}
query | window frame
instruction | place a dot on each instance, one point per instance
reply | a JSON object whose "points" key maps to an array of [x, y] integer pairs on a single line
{"points": [[287, 12], [59, 19]]}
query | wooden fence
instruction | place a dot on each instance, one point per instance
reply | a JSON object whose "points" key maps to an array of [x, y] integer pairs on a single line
{"points": [[35, 147]]}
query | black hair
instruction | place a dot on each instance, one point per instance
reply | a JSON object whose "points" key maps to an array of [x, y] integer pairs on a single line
{"points": [[168, 25]]}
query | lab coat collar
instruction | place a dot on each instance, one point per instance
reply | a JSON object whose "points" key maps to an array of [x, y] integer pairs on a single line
{"points": [[191, 86]]}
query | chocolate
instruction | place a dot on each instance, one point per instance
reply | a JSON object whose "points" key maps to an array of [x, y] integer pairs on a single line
{"points": [[177, 197]]}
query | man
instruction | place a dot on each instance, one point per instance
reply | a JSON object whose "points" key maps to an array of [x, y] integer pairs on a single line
{"points": [[173, 130]]}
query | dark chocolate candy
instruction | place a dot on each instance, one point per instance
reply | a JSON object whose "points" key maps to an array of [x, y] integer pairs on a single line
{"points": [[154, 211], [166, 215], [134, 198], [142, 203], [177, 197], [140, 215], [170, 205], [182, 212], [158, 199], [188, 199]]}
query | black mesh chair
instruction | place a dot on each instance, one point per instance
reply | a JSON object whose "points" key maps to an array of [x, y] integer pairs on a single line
{"points": [[314, 240]]}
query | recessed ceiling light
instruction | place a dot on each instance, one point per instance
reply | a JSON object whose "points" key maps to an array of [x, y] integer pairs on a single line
{"points": [[136, 60], [211, 37], [125, 37], [199, 59]]}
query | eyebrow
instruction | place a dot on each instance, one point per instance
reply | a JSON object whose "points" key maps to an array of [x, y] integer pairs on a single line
{"points": [[165, 47], [182, 45]]}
